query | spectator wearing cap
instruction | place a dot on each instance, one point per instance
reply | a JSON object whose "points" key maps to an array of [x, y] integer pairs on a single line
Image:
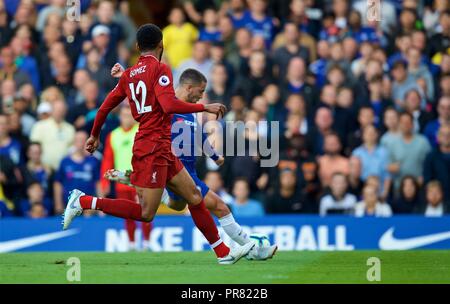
{"points": [[242, 205], [54, 134], [371, 206], [408, 153], [178, 37], [437, 162], [105, 15], [44, 110], [291, 48], [100, 40], [431, 129], [402, 83]]}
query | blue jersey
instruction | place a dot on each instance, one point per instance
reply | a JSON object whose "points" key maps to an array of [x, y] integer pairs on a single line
{"points": [[186, 140], [78, 175]]}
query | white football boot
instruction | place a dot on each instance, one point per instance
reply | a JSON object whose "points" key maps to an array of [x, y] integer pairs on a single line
{"points": [[262, 253], [73, 208], [236, 253]]}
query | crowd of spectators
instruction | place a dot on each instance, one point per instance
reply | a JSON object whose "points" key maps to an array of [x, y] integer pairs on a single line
{"points": [[363, 103]]}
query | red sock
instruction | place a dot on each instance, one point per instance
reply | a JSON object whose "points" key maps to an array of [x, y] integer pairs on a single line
{"points": [[205, 223], [130, 225], [118, 207], [146, 229]]}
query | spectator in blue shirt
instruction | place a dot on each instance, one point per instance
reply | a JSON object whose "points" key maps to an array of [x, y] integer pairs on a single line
{"points": [[374, 159], [432, 128], [35, 196], [242, 205], [258, 22], [76, 171], [237, 13], [210, 32], [9, 146]]}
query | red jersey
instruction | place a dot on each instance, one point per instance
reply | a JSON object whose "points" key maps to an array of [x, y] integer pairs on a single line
{"points": [[149, 88]]}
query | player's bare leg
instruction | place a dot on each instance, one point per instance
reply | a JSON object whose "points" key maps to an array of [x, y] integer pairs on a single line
{"points": [[183, 185]]}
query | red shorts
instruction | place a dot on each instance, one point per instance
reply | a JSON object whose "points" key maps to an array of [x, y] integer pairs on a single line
{"points": [[153, 164]]}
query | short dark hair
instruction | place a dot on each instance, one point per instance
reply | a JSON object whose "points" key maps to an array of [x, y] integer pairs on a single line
{"points": [[148, 36], [192, 76]]}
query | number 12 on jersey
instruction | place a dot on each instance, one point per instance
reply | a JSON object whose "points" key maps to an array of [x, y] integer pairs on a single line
{"points": [[141, 90]]}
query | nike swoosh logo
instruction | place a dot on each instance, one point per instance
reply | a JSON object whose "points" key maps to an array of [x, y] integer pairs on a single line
{"points": [[389, 242], [13, 245]]}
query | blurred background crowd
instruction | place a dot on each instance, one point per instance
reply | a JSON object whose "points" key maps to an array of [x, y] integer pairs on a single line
{"points": [[363, 105]]}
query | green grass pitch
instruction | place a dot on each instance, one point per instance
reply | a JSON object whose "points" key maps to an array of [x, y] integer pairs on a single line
{"points": [[201, 267]]}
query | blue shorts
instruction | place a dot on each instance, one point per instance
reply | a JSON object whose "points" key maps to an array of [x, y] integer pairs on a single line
{"points": [[190, 167]]}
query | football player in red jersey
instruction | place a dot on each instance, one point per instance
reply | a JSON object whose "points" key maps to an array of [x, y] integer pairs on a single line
{"points": [[148, 86]]}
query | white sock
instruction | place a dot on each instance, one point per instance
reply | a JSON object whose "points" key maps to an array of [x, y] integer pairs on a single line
{"points": [[145, 244], [233, 229]]}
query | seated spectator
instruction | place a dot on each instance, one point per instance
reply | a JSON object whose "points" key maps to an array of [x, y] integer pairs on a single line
{"points": [[418, 70], [339, 200], [403, 82], [332, 161], [200, 61], [431, 129], [374, 159], [9, 147], [219, 91], [287, 196], [78, 170], [292, 48], [408, 201], [390, 121], [9, 186], [210, 32], [412, 105], [366, 117], [258, 22], [242, 205], [105, 17], [371, 206], [435, 205], [253, 83], [35, 170], [81, 116], [98, 71], [21, 107], [407, 154], [377, 101], [54, 134], [37, 211], [35, 196], [437, 162], [323, 122], [9, 69], [179, 37], [214, 181]]}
